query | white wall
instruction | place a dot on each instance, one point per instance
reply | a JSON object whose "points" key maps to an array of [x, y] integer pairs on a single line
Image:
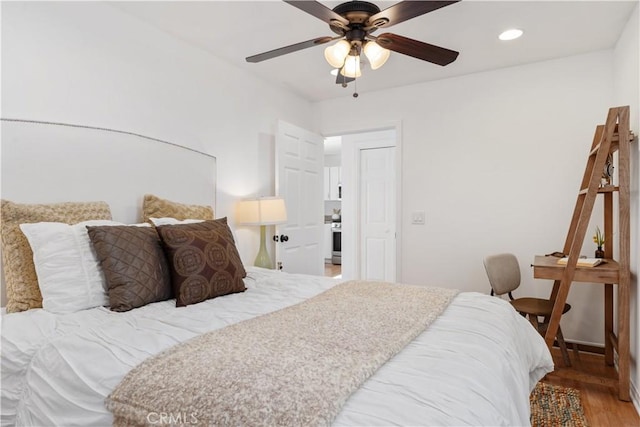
{"points": [[626, 83], [89, 63], [495, 160]]}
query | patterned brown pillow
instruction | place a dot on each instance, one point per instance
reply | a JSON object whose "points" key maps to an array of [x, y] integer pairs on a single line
{"points": [[155, 207], [23, 292], [203, 260], [133, 263]]}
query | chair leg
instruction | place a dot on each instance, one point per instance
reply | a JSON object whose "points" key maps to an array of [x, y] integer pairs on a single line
{"points": [[563, 348], [534, 321], [560, 338], [576, 353]]}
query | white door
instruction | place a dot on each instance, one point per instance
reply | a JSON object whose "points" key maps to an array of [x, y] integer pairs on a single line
{"points": [[300, 181], [377, 214]]}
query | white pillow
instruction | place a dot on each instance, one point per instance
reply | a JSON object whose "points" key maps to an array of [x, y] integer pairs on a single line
{"points": [[172, 221], [68, 270]]}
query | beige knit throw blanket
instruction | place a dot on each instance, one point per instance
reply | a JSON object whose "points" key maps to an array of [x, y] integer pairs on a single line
{"points": [[293, 367]]}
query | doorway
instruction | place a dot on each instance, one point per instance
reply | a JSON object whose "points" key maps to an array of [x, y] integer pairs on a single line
{"points": [[333, 207]]}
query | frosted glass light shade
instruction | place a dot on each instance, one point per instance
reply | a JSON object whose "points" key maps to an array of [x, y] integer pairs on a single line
{"points": [[261, 211], [336, 54], [376, 54], [351, 67]]}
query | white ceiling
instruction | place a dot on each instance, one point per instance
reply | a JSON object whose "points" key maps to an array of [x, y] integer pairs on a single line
{"points": [[233, 30]]}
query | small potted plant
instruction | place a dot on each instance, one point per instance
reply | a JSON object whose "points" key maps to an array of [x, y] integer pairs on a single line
{"points": [[598, 239]]}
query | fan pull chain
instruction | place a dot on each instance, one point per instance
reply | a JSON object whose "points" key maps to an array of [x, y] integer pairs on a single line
{"points": [[355, 85]]}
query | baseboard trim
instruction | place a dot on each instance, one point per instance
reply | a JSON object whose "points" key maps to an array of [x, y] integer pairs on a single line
{"points": [[635, 396], [587, 348]]}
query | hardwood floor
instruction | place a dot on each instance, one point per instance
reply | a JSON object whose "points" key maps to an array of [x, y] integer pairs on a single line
{"points": [[600, 400], [332, 270]]}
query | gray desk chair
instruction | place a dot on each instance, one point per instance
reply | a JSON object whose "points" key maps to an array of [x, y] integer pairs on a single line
{"points": [[504, 276]]}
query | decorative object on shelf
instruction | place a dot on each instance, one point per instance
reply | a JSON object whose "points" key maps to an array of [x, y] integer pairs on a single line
{"points": [[262, 211], [583, 262], [336, 215], [607, 173], [598, 239]]}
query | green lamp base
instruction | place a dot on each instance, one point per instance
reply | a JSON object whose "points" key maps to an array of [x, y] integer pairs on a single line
{"points": [[263, 260]]}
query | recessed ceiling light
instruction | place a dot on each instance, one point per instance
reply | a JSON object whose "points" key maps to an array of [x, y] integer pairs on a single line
{"points": [[334, 72], [511, 34]]}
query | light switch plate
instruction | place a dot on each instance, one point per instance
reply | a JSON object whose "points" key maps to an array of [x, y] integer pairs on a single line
{"points": [[418, 217]]}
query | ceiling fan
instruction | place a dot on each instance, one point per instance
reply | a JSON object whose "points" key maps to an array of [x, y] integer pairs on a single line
{"points": [[354, 22]]}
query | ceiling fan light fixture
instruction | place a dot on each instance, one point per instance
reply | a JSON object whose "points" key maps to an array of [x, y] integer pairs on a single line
{"points": [[336, 54], [376, 54], [351, 67], [510, 34]]}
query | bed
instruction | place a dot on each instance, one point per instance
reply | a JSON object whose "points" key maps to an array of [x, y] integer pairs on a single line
{"points": [[475, 363]]}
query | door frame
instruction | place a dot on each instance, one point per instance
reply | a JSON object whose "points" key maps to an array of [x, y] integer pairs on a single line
{"points": [[350, 202]]}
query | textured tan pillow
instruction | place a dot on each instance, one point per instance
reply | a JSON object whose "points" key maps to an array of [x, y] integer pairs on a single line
{"points": [[203, 260], [133, 263], [23, 292], [155, 207]]}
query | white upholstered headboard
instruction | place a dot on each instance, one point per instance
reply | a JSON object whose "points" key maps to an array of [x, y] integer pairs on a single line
{"points": [[53, 162]]}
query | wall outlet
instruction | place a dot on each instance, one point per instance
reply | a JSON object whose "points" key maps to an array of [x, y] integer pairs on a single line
{"points": [[418, 218]]}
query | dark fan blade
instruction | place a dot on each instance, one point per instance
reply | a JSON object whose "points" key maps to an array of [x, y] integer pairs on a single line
{"points": [[405, 10], [427, 52], [318, 10], [288, 49], [340, 79]]}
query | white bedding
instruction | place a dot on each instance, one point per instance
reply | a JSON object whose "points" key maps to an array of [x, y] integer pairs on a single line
{"points": [[475, 365]]}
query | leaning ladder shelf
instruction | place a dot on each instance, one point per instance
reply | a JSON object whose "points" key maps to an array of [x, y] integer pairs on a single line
{"points": [[614, 136]]}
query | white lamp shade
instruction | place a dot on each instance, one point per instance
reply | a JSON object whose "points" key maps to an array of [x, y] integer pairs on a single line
{"points": [[261, 211], [336, 54], [351, 67], [376, 54]]}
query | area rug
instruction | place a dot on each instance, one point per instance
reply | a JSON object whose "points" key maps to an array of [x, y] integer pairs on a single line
{"points": [[556, 406]]}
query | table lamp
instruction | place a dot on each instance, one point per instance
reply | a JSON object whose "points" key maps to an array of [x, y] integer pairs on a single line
{"points": [[262, 211]]}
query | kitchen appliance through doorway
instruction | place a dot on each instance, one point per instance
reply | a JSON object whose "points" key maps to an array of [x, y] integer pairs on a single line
{"points": [[336, 243]]}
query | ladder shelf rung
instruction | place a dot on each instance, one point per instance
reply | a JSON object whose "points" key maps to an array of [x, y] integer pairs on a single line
{"points": [[608, 189], [605, 189], [616, 137]]}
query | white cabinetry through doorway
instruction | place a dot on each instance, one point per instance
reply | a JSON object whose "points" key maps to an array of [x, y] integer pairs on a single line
{"points": [[332, 190]]}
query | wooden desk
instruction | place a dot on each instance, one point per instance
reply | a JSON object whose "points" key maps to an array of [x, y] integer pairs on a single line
{"points": [[547, 267], [607, 274]]}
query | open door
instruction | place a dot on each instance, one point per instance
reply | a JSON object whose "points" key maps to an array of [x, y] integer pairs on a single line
{"points": [[299, 180]]}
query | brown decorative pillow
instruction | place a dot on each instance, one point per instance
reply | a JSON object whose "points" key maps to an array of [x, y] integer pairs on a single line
{"points": [[23, 292], [133, 263], [155, 207], [203, 260]]}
